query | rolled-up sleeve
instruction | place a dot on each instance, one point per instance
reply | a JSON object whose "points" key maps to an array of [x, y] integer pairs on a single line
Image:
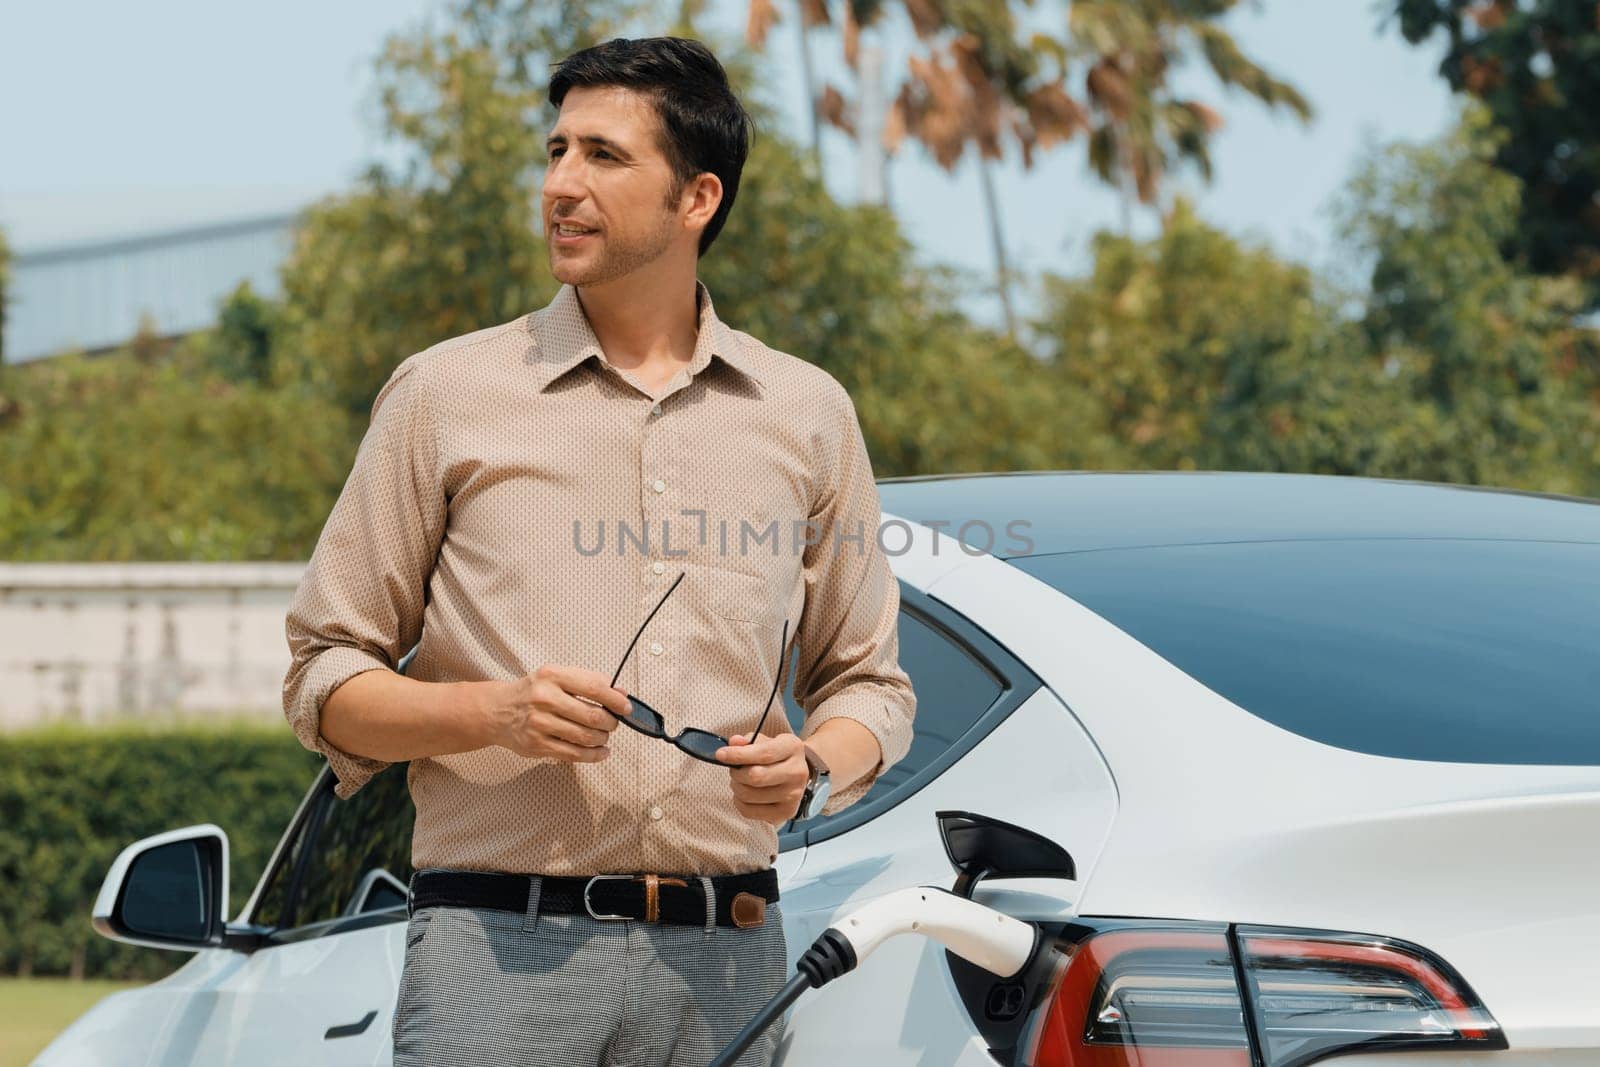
{"points": [[848, 638], [360, 602]]}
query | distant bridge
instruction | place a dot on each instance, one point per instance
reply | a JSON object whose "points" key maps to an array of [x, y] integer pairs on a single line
{"points": [[93, 296]]}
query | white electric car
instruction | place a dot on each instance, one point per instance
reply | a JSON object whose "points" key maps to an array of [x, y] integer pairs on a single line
{"points": [[1324, 752]]}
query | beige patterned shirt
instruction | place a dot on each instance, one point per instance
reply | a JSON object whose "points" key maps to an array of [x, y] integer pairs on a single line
{"points": [[518, 500]]}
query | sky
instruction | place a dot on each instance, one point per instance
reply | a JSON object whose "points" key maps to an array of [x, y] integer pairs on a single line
{"points": [[123, 119]]}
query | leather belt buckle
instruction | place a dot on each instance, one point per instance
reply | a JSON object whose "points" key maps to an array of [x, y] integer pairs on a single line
{"points": [[589, 906]]}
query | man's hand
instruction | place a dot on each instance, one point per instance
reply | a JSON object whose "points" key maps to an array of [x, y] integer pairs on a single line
{"points": [[556, 711], [769, 775]]}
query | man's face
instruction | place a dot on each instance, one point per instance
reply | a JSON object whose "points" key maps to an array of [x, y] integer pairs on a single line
{"points": [[607, 176]]}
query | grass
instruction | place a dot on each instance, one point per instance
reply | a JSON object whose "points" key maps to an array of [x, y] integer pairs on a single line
{"points": [[262, 721], [34, 1010]]}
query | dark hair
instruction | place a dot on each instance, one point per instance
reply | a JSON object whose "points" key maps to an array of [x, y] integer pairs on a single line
{"points": [[703, 125]]}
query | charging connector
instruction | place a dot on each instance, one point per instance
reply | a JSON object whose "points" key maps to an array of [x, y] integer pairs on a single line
{"points": [[982, 936], [828, 957]]}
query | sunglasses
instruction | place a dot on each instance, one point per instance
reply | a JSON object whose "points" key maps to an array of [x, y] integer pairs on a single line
{"points": [[701, 744]]}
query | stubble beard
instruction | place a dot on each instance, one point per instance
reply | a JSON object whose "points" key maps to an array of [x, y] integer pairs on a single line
{"points": [[617, 258]]}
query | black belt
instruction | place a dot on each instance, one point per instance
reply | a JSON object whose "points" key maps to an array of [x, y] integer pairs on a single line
{"points": [[740, 899]]}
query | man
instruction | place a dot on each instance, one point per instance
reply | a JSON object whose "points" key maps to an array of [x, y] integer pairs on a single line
{"points": [[523, 500]]}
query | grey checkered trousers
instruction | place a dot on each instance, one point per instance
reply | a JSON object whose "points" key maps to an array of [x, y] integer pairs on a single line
{"points": [[488, 987]]}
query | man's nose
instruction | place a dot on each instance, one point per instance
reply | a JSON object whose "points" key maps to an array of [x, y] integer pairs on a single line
{"points": [[563, 181]]}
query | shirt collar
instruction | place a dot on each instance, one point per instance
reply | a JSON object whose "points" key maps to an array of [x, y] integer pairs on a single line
{"points": [[563, 338]]}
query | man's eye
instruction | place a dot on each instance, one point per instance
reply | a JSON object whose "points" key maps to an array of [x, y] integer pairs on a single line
{"points": [[554, 152], [601, 153]]}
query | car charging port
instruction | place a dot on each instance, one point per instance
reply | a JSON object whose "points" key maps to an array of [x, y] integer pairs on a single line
{"points": [[1006, 1001]]}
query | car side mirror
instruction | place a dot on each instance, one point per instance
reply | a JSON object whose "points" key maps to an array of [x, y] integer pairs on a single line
{"points": [[980, 847], [167, 891]]}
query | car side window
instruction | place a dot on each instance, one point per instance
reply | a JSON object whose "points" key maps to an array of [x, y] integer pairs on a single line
{"points": [[954, 689], [349, 858]]}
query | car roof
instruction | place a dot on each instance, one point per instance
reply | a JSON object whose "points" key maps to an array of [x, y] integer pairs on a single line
{"points": [[1080, 511]]}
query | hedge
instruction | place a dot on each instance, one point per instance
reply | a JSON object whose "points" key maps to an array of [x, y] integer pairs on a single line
{"points": [[72, 797]]}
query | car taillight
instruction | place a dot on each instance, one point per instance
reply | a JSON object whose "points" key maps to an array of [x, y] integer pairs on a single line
{"points": [[1319, 993], [1164, 995], [1152, 997]]}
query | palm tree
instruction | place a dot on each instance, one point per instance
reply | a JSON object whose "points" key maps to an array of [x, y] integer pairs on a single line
{"points": [[1141, 129], [976, 88], [763, 15], [976, 83]]}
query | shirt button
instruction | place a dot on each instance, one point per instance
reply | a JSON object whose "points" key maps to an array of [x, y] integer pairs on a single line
{"points": [[655, 813], [655, 648], [655, 409], [659, 486], [658, 567]]}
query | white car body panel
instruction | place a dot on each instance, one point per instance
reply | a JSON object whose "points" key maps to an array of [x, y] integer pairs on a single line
{"points": [[868, 1017], [1221, 819], [272, 1006], [864, 1017]]}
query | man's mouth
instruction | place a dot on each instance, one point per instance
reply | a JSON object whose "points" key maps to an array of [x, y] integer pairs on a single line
{"points": [[565, 233]]}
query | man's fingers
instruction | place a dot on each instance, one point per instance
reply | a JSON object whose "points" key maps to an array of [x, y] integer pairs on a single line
{"points": [[576, 733], [586, 683], [769, 777], [777, 814], [584, 714], [761, 750], [772, 794], [574, 753]]}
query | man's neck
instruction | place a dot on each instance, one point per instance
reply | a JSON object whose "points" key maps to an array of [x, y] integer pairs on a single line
{"points": [[644, 326]]}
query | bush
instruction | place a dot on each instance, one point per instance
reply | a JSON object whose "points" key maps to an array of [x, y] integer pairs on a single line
{"points": [[71, 798]]}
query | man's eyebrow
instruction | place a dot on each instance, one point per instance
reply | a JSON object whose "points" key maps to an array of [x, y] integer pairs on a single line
{"points": [[588, 139]]}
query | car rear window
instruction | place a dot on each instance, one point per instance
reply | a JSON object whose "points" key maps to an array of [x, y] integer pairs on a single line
{"points": [[1458, 651]]}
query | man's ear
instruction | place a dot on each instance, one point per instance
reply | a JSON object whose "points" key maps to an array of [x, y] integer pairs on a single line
{"points": [[702, 195]]}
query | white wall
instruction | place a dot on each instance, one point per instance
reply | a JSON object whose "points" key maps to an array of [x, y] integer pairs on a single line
{"points": [[90, 642]]}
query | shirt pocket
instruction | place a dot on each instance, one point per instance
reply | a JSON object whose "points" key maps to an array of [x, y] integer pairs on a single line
{"points": [[736, 595], [731, 650]]}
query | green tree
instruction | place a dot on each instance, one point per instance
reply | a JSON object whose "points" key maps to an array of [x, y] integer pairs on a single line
{"points": [[442, 248], [110, 458], [1535, 64], [838, 285], [1203, 352], [1489, 355], [8, 403], [5, 291], [1164, 334], [529, 35], [241, 347]]}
